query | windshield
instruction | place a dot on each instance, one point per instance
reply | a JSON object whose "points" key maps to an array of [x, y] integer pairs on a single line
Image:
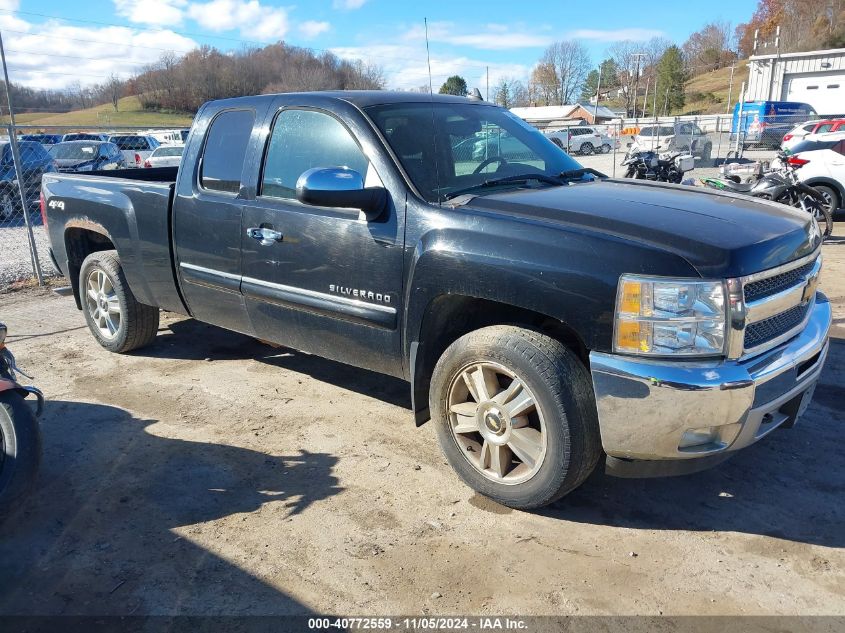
{"points": [[168, 150], [657, 130], [446, 147], [81, 151]]}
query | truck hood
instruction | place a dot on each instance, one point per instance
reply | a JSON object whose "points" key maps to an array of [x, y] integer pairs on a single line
{"points": [[720, 235]]}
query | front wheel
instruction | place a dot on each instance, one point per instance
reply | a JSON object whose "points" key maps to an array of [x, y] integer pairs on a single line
{"points": [[605, 148], [831, 197], [516, 415], [587, 149], [822, 214], [20, 448], [118, 321]]}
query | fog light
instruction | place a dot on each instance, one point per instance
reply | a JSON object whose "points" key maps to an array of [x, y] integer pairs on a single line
{"points": [[699, 437], [722, 436]]}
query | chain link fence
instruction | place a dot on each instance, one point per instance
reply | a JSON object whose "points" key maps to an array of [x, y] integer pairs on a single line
{"points": [[714, 140], [24, 247]]}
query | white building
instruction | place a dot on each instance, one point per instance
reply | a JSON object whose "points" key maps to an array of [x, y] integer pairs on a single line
{"points": [[814, 77]]}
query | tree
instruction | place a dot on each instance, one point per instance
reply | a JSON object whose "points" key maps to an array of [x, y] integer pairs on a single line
{"points": [[608, 73], [709, 48], [804, 25], [454, 85], [543, 87], [670, 80], [571, 62], [510, 93], [627, 56], [114, 89]]}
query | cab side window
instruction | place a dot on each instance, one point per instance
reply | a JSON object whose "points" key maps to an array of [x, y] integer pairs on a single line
{"points": [[225, 150], [301, 140]]}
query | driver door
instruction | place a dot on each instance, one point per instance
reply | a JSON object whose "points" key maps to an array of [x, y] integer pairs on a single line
{"points": [[327, 280]]}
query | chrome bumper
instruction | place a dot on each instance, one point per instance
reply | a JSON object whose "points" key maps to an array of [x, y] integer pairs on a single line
{"points": [[646, 406]]}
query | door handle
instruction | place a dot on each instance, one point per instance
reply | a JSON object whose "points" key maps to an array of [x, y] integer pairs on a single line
{"points": [[264, 235]]}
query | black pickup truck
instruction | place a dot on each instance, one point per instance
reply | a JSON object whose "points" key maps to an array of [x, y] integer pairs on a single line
{"points": [[544, 315]]}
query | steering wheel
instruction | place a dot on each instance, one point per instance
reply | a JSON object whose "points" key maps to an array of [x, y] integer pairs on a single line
{"points": [[489, 161]]}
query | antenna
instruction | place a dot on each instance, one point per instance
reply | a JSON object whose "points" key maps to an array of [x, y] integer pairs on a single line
{"points": [[428, 57], [433, 123]]}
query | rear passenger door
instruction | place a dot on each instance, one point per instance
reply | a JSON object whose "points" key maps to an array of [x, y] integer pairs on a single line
{"points": [[207, 212]]}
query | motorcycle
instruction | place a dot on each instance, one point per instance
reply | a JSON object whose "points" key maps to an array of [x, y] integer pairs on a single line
{"points": [[781, 184], [20, 436], [648, 165]]}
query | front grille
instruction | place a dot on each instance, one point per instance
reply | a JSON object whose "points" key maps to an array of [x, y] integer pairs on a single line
{"points": [[757, 290], [769, 329]]}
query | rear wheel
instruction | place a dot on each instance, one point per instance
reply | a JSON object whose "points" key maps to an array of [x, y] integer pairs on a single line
{"points": [[20, 448], [587, 148], [831, 197], [707, 152], [605, 148], [118, 321], [515, 415]]}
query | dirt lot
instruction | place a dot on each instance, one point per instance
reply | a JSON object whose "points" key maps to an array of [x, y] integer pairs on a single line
{"points": [[210, 474]]}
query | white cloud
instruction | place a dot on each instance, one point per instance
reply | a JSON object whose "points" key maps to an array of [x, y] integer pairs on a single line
{"points": [[405, 67], [53, 55], [615, 35], [348, 5], [312, 28], [156, 12], [491, 37], [9, 22], [255, 21]]}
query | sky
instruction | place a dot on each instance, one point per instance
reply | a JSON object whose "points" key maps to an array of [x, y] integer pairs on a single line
{"points": [[55, 43]]}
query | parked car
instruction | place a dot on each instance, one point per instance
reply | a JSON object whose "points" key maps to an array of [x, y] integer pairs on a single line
{"points": [[165, 156], [84, 136], [44, 139], [765, 123], [582, 139], [822, 161], [680, 136], [36, 162], [802, 130], [544, 314], [87, 156], [135, 147]]}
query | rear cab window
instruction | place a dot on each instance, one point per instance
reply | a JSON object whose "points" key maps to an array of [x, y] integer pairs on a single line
{"points": [[225, 149]]}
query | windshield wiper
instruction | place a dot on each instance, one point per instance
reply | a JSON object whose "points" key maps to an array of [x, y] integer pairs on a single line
{"points": [[578, 174], [495, 182]]}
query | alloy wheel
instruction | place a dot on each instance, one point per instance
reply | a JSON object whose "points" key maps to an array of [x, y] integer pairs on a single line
{"points": [[102, 303], [497, 423]]}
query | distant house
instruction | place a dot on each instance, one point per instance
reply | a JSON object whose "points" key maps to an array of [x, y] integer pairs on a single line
{"points": [[555, 117]]}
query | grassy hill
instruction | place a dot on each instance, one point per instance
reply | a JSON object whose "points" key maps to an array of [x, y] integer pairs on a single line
{"points": [[129, 113], [708, 93]]}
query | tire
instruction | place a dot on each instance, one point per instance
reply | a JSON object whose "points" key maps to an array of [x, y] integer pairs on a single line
{"points": [[137, 324], [707, 153], [823, 216], [20, 448], [587, 148], [562, 408], [831, 197], [605, 148]]}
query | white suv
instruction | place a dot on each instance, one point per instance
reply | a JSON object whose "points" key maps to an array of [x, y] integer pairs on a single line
{"points": [[821, 162], [682, 136], [581, 139]]}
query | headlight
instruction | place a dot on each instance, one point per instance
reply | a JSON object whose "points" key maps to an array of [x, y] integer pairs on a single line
{"points": [[657, 316]]}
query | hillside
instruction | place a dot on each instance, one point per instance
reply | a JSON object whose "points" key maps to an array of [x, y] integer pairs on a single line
{"points": [[708, 93], [129, 113]]}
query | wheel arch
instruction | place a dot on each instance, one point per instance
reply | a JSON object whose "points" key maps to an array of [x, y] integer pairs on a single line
{"points": [[83, 237], [449, 316]]}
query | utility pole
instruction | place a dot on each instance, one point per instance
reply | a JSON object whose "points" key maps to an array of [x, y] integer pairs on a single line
{"points": [[16, 157], [730, 89], [666, 101], [598, 92], [637, 84], [645, 96]]}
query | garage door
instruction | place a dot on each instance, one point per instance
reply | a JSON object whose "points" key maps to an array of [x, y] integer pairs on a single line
{"points": [[824, 91]]}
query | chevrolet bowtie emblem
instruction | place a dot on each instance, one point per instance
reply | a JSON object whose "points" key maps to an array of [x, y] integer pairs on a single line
{"points": [[809, 290]]}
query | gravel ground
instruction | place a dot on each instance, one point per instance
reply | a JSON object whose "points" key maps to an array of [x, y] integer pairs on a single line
{"points": [[15, 261], [212, 474]]}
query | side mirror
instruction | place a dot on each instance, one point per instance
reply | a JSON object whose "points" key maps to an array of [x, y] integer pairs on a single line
{"points": [[340, 187]]}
